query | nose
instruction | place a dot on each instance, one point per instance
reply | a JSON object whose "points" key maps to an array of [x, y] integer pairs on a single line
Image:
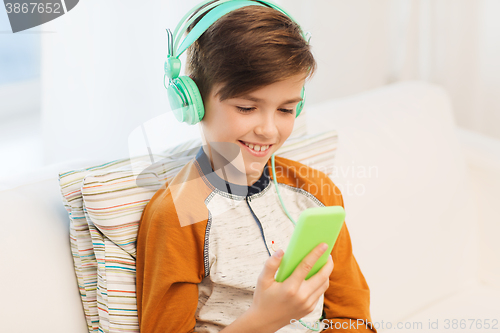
{"points": [[267, 126]]}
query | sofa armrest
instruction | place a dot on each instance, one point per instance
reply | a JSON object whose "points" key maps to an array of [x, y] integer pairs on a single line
{"points": [[482, 156]]}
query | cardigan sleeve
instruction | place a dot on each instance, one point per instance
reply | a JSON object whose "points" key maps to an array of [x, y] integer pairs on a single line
{"points": [[169, 266]]}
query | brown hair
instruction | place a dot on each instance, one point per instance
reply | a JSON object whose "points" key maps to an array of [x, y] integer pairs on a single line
{"points": [[247, 49]]}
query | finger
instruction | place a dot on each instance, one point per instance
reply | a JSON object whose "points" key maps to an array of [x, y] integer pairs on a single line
{"points": [[271, 266], [319, 291], [318, 283], [323, 273], [327, 268], [299, 274]]}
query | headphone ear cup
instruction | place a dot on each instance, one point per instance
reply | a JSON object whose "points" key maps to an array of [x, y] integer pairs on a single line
{"points": [[300, 105], [196, 109], [177, 99], [185, 100]]}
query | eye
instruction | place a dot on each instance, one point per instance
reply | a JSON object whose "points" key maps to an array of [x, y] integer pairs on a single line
{"points": [[286, 110], [244, 110], [247, 110]]}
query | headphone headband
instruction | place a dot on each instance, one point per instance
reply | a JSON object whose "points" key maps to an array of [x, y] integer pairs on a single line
{"points": [[222, 7]]}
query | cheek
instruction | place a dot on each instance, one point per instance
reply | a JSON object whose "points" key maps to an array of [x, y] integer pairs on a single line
{"points": [[286, 128], [222, 125], [233, 125]]}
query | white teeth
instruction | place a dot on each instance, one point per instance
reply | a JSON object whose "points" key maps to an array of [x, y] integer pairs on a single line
{"points": [[256, 147]]}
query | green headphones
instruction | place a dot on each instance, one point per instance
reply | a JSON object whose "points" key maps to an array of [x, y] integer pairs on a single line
{"points": [[183, 94]]}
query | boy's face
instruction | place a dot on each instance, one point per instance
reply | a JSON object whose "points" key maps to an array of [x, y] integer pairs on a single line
{"points": [[252, 126]]}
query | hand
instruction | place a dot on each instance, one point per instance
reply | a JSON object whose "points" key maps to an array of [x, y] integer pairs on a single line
{"points": [[276, 304]]}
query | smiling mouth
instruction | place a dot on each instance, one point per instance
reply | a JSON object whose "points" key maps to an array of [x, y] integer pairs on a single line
{"points": [[256, 148]]}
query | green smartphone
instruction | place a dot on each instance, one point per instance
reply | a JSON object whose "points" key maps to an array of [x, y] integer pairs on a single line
{"points": [[315, 226]]}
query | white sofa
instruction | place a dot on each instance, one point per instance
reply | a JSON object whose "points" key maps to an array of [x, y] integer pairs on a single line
{"points": [[420, 197]]}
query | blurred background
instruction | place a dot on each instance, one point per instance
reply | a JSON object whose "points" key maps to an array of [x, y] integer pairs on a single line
{"points": [[77, 86]]}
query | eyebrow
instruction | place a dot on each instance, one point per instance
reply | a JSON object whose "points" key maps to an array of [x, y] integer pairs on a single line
{"points": [[258, 100]]}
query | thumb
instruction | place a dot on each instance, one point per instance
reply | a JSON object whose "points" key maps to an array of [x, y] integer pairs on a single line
{"points": [[272, 265]]}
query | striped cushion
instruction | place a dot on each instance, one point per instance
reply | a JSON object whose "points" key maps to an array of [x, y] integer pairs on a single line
{"points": [[81, 243], [113, 200], [84, 237]]}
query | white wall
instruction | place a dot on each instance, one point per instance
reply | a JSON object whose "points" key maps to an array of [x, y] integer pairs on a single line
{"points": [[349, 41], [102, 75]]}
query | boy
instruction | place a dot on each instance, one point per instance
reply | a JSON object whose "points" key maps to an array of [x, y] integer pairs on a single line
{"points": [[206, 255]]}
